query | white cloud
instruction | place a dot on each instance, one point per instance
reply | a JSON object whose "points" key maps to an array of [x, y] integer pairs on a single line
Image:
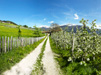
{"points": [[76, 16], [44, 26], [98, 26], [68, 24], [44, 19], [51, 22], [66, 13]]}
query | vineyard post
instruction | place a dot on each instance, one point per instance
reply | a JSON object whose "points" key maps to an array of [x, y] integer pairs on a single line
{"points": [[0, 44], [32, 40], [22, 42], [64, 39], [17, 42], [5, 43], [14, 43], [11, 43], [29, 41], [8, 43], [37, 38], [73, 47]]}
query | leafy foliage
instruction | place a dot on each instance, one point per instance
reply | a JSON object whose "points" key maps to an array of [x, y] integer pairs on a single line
{"points": [[37, 31], [55, 27], [19, 31], [25, 26], [81, 47]]}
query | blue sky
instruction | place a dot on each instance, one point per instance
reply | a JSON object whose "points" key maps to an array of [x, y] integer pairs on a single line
{"points": [[45, 12]]}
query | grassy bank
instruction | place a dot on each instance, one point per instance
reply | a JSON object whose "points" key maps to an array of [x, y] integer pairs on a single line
{"points": [[7, 60], [12, 30], [38, 67]]}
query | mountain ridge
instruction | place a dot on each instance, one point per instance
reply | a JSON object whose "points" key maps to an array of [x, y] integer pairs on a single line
{"points": [[70, 28]]}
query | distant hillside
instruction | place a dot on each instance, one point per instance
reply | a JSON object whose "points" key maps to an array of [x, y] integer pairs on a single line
{"points": [[70, 28], [9, 22], [10, 29]]}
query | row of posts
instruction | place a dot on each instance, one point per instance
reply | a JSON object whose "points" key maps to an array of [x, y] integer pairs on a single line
{"points": [[9, 43]]}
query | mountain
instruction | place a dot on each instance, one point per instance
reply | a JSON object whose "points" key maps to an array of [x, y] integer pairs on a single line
{"points": [[44, 28], [70, 28], [64, 27]]}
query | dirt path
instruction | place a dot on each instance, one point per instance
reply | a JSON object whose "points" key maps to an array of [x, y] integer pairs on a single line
{"points": [[48, 61], [25, 66]]}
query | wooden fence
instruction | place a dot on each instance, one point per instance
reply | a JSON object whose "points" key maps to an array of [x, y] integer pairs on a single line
{"points": [[9, 43]]}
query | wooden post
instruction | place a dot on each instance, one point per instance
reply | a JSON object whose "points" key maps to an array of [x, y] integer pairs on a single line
{"points": [[35, 39], [11, 43], [17, 42], [5, 44], [22, 42], [32, 40], [29, 41], [0, 44], [8, 43]]}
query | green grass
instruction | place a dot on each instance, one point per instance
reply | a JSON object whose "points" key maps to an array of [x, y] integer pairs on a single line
{"points": [[12, 30], [7, 60], [38, 70]]}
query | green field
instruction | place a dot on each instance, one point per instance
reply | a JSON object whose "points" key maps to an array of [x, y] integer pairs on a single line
{"points": [[12, 30]]}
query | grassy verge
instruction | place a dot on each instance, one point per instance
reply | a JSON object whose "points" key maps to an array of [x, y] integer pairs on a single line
{"points": [[38, 67], [12, 57]]}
